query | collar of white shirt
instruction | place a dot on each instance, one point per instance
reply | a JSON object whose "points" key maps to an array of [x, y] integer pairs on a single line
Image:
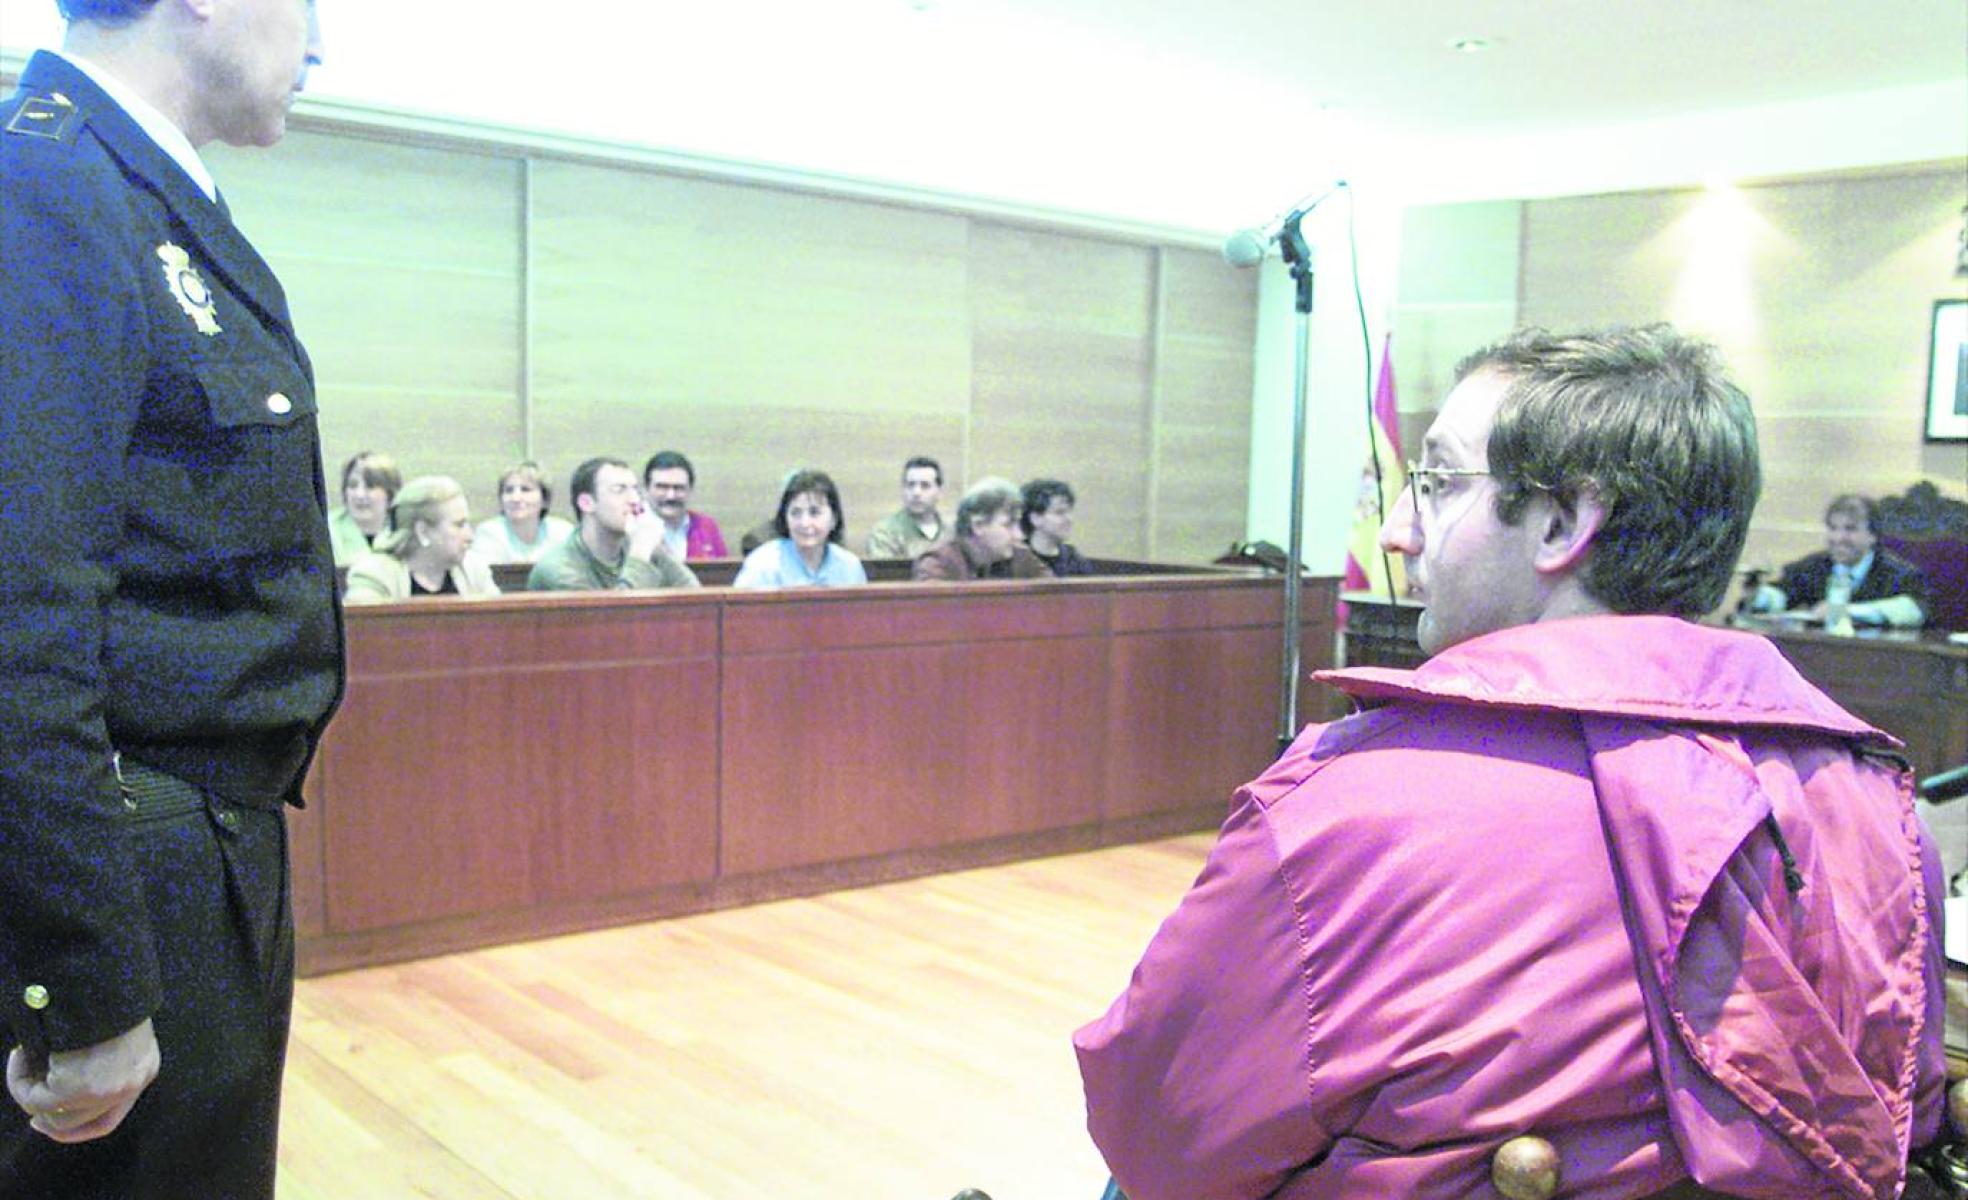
{"points": [[169, 138]]}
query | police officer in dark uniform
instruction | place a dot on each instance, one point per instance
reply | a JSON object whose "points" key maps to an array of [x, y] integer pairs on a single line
{"points": [[170, 642]]}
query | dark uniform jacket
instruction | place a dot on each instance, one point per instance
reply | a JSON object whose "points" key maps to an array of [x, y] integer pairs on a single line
{"points": [[168, 590], [1803, 582]]}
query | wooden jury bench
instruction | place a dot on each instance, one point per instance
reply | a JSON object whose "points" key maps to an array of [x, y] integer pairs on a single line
{"points": [[523, 765]]}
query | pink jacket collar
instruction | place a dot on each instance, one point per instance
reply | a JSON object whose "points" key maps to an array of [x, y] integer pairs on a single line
{"points": [[1662, 668]]}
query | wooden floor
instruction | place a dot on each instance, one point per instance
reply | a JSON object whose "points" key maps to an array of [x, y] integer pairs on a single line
{"points": [[893, 1043]]}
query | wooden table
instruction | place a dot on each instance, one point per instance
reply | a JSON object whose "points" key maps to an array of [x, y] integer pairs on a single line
{"points": [[510, 767]]}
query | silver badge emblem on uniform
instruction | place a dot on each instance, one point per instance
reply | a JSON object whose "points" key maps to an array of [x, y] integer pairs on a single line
{"points": [[279, 405], [188, 288]]}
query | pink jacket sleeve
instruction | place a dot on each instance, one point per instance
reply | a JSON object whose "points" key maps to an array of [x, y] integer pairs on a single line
{"points": [[1930, 1068], [706, 539], [1197, 1090]]}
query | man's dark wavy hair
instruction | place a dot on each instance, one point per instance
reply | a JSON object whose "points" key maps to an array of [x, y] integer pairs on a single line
{"points": [[1646, 418], [109, 12]]}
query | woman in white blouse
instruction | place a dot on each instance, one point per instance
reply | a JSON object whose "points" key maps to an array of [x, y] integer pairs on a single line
{"points": [[523, 530]]}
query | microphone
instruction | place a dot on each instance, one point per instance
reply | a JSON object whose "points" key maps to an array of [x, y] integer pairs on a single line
{"points": [[1247, 247]]}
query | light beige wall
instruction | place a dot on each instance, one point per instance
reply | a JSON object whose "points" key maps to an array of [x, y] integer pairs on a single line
{"points": [[758, 331], [1459, 276], [403, 271], [469, 306], [1818, 293], [1200, 456]]}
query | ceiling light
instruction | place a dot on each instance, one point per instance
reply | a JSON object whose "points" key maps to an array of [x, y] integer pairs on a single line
{"points": [[1471, 45]]}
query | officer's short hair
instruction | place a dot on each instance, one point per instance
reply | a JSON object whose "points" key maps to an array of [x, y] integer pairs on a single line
{"points": [[107, 12], [984, 500], [923, 460]]}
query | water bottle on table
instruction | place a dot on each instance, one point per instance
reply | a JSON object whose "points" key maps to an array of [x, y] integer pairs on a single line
{"points": [[1838, 603]]}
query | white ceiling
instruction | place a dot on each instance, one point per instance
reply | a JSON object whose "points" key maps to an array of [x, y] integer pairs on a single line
{"points": [[1180, 113], [1552, 63]]}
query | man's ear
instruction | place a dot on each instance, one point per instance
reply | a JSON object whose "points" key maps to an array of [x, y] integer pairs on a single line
{"points": [[1568, 529]]}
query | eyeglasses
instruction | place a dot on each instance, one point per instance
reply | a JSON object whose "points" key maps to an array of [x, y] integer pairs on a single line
{"points": [[1427, 480]]}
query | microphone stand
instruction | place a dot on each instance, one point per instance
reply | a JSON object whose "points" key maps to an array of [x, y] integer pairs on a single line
{"points": [[1297, 256]]}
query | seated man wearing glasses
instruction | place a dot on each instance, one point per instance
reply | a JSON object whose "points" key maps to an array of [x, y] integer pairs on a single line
{"points": [[1598, 901]]}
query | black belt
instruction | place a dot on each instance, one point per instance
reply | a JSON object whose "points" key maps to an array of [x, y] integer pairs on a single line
{"points": [[149, 792]]}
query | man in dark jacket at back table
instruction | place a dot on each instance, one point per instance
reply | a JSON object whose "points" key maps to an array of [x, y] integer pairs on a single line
{"points": [[1883, 588], [172, 647]]}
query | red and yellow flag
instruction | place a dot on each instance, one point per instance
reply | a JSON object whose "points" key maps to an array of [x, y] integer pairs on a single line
{"points": [[1367, 569]]}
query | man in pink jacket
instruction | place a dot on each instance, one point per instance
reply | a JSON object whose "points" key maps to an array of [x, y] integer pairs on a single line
{"points": [[1594, 874]]}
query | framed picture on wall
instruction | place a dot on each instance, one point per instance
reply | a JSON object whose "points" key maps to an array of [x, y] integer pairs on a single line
{"points": [[1947, 373]]}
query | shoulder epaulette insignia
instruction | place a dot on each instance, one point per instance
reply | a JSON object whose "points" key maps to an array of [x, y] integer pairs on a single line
{"points": [[47, 116]]}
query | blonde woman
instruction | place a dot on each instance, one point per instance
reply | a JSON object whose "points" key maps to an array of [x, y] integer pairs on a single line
{"points": [[424, 553]]}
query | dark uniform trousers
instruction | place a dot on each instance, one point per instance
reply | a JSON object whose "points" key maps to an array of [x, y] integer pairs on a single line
{"points": [[215, 878]]}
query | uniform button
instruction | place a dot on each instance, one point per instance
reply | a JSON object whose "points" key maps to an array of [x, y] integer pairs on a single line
{"points": [[228, 820], [35, 997], [279, 405]]}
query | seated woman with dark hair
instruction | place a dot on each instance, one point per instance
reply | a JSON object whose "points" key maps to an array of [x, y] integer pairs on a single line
{"points": [[523, 530], [1048, 522], [808, 552], [424, 554], [369, 484]]}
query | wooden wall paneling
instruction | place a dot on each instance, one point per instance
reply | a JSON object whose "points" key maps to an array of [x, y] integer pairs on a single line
{"points": [[402, 266], [575, 759], [1202, 426], [899, 725], [1818, 293], [756, 330], [465, 309], [1165, 686], [1189, 657], [519, 766], [1916, 692], [1062, 343]]}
